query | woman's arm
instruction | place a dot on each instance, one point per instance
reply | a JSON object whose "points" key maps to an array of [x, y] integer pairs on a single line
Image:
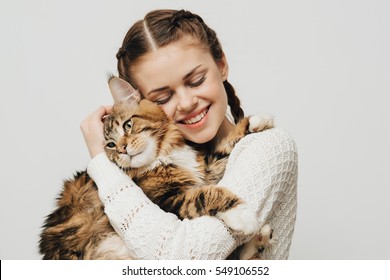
{"points": [[262, 169], [148, 231]]}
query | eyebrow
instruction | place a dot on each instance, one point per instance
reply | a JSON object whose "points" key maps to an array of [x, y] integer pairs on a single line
{"points": [[184, 78], [191, 72]]}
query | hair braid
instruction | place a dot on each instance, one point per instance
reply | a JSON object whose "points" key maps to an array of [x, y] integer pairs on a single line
{"points": [[234, 102], [162, 27]]}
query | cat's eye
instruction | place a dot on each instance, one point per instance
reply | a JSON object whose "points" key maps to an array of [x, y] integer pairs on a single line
{"points": [[110, 145], [128, 125]]}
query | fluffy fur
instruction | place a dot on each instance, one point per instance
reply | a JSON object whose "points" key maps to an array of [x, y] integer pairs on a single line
{"points": [[148, 146]]}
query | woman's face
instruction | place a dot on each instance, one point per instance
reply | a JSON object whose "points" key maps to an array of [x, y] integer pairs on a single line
{"points": [[185, 80]]}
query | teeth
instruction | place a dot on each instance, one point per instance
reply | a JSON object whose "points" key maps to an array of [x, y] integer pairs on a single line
{"points": [[196, 118]]}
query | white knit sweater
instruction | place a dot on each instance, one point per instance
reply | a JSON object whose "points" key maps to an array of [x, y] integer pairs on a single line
{"points": [[262, 169]]}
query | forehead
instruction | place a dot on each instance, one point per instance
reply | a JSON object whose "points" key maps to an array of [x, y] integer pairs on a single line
{"points": [[113, 124], [170, 63], [113, 127]]}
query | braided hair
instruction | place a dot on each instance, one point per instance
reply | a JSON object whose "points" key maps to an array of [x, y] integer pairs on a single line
{"points": [[161, 27]]}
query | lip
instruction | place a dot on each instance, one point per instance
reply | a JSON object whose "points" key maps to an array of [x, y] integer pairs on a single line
{"points": [[193, 115], [198, 124]]}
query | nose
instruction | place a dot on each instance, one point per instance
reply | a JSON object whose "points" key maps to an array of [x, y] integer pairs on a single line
{"points": [[121, 147], [186, 101]]}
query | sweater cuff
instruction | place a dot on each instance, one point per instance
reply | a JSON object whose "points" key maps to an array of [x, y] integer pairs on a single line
{"points": [[106, 175]]}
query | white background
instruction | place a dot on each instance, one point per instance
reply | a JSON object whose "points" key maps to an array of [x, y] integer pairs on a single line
{"points": [[321, 68]]}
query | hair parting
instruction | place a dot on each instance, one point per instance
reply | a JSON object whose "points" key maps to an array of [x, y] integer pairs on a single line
{"points": [[162, 27]]}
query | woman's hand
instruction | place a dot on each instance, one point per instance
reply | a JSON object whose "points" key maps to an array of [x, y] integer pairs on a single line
{"points": [[92, 129]]}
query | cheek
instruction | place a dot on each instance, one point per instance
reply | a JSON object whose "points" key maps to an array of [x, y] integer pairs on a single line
{"points": [[169, 109], [215, 90], [222, 92], [110, 154], [113, 156], [216, 93]]}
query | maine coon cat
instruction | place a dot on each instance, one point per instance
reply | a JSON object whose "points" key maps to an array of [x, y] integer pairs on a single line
{"points": [[147, 145]]}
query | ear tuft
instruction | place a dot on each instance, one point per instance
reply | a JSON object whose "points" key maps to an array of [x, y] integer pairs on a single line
{"points": [[122, 91]]}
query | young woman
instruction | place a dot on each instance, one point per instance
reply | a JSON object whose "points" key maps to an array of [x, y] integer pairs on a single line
{"points": [[174, 59]]}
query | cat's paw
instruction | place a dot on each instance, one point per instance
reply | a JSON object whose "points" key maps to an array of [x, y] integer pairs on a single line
{"points": [[254, 248], [241, 219], [260, 122]]}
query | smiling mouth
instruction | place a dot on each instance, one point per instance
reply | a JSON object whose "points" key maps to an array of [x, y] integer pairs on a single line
{"points": [[196, 118]]}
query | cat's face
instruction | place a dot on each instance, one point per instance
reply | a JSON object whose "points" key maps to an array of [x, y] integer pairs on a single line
{"points": [[134, 130], [133, 133]]}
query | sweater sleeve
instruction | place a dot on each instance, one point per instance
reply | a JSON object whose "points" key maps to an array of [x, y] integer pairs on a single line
{"points": [[261, 169], [148, 231]]}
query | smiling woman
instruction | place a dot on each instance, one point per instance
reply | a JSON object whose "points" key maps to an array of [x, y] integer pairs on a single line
{"points": [[188, 84], [148, 147], [176, 61]]}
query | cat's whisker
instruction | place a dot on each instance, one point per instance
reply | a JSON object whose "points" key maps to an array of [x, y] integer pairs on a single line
{"points": [[173, 178]]}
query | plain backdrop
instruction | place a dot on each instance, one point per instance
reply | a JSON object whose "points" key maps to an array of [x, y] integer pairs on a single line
{"points": [[322, 68]]}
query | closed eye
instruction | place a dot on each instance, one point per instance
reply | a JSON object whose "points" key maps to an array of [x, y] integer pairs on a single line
{"points": [[197, 82], [163, 97]]}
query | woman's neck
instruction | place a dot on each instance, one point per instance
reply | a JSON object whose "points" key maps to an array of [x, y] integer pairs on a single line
{"points": [[225, 128]]}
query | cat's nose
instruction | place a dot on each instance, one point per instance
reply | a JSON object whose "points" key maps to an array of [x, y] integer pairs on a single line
{"points": [[122, 149]]}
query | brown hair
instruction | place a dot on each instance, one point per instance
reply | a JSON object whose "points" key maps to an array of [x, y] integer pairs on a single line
{"points": [[161, 27]]}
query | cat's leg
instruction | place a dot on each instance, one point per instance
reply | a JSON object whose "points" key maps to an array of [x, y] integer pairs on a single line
{"points": [[222, 203], [226, 145], [254, 248], [260, 122], [251, 124], [111, 248], [241, 219]]}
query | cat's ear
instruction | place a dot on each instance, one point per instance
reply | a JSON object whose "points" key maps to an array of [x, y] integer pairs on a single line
{"points": [[122, 91]]}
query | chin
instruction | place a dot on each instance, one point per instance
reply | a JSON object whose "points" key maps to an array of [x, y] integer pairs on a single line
{"points": [[137, 163], [123, 162], [145, 158], [201, 138]]}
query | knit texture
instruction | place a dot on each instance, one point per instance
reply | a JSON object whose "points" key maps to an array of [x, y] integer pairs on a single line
{"points": [[262, 169]]}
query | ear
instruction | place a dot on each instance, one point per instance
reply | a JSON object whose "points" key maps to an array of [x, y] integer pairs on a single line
{"points": [[223, 67], [122, 91]]}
